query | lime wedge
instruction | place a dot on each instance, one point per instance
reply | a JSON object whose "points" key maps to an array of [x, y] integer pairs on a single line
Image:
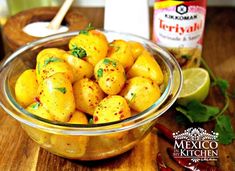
{"points": [[196, 85]]}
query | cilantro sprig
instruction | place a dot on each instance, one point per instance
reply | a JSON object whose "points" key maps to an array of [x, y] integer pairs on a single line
{"points": [[87, 29], [36, 105], [61, 89], [78, 52], [51, 59], [197, 112]]}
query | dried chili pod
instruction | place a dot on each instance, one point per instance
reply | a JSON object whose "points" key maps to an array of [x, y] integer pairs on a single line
{"points": [[189, 164], [161, 165], [165, 132]]}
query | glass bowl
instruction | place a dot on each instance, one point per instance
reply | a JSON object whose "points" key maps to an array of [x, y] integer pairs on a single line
{"points": [[86, 142]]}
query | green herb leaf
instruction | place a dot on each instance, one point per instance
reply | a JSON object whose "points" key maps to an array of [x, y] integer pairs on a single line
{"points": [[91, 121], [133, 96], [100, 73], [222, 84], [186, 56], [117, 48], [36, 105], [52, 59], [87, 29], [198, 112], [61, 89], [224, 128], [78, 52], [108, 61]]}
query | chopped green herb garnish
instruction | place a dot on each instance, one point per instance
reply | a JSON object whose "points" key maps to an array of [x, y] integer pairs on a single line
{"points": [[100, 72], [91, 121], [133, 96], [78, 52], [52, 59], [186, 56], [117, 48], [87, 29], [108, 61], [36, 105], [61, 89]]}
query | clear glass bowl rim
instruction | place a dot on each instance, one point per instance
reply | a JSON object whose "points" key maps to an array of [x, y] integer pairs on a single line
{"points": [[138, 120]]}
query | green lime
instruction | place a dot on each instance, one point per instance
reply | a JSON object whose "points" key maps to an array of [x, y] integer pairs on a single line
{"points": [[196, 85]]}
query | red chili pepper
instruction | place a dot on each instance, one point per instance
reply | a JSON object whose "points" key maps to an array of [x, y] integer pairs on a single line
{"points": [[161, 164], [189, 164], [165, 131]]}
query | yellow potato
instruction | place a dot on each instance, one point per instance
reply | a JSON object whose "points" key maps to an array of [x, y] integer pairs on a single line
{"points": [[111, 108], [50, 52], [55, 67], [87, 95], [121, 51], [81, 69], [38, 135], [37, 109], [48, 55], [57, 96], [72, 146], [136, 49], [110, 75], [141, 93], [26, 88], [93, 42], [146, 66]]}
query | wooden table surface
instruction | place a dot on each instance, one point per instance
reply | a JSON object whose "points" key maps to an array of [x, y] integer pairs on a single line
{"points": [[19, 152]]}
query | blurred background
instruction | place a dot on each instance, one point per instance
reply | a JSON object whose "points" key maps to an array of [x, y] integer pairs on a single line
{"points": [[11, 7]]}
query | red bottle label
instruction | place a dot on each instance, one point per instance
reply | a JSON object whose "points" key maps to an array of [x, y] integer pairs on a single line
{"points": [[178, 26]]}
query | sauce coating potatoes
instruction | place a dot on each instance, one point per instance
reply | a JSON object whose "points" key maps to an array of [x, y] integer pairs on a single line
{"points": [[93, 79]]}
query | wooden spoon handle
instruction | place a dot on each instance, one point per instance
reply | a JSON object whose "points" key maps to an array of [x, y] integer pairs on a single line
{"points": [[56, 22]]}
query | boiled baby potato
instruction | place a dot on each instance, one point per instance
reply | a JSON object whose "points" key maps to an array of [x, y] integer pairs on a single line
{"points": [[49, 52], [121, 51], [91, 45], [26, 88], [51, 68], [37, 109], [72, 146], [37, 134], [141, 93], [136, 49], [110, 109], [146, 66], [87, 95], [56, 95], [110, 75], [81, 69], [48, 55]]}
